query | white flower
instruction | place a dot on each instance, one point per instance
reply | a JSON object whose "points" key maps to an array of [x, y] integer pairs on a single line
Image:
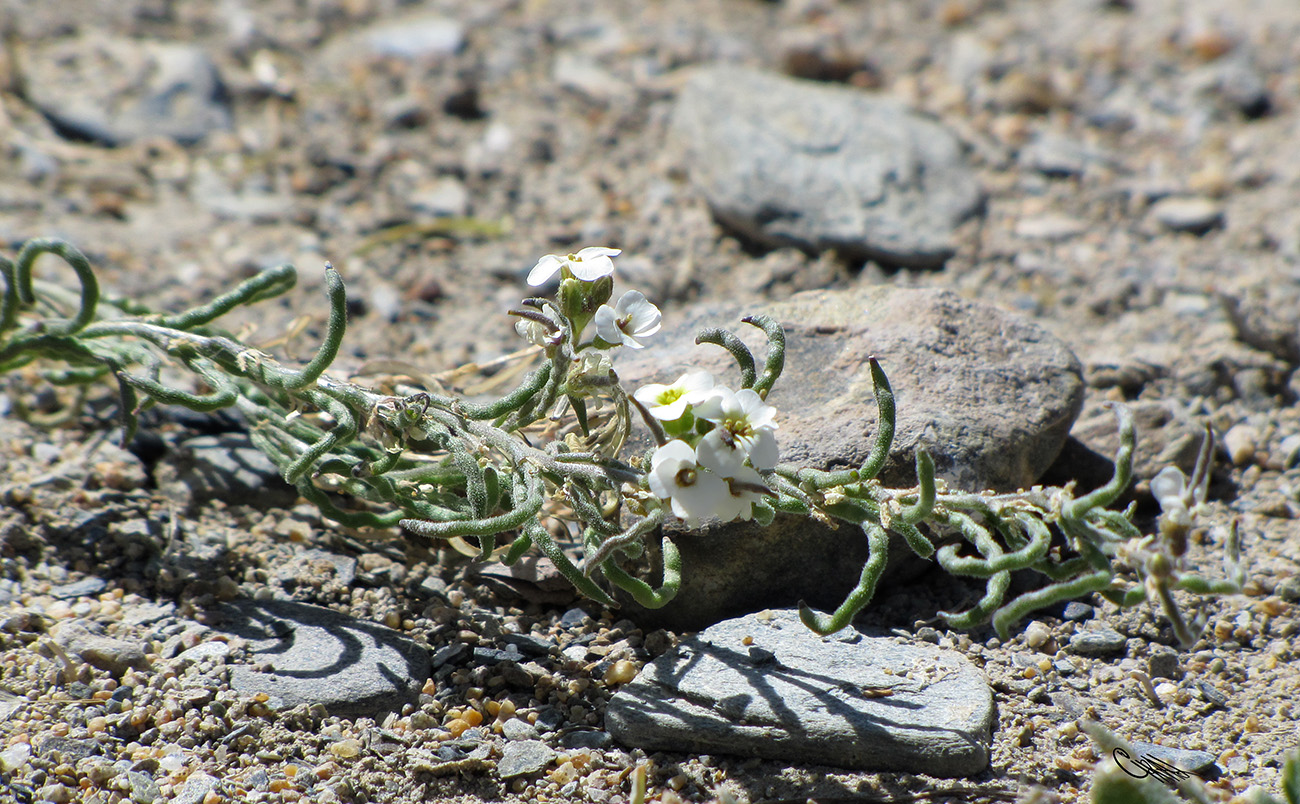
{"points": [[745, 429], [537, 334], [668, 402], [1169, 487], [695, 492], [589, 264], [632, 318], [746, 487]]}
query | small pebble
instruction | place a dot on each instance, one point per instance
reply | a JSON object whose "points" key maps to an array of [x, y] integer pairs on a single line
{"points": [[1098, 642], [347, 749], [1037, 634], [1164, 663], [1240, 443], [1194, 215], [1076, 611]]}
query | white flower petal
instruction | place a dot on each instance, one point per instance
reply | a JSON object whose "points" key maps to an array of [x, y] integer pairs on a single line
{"points": [[758, 413], [763, 450], [544, 270], [668, 402], [713, 405], [707, 496], [589, 270], [713, 453], [591, 252], [1168, 487], [745, 497], [643, 318], [606, 321]]}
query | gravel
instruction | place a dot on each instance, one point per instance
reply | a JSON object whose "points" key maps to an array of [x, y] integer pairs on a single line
{"points": [[1138, 204]]}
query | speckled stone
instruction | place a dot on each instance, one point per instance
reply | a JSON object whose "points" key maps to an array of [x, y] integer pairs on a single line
{"points": [[816, 702], [523, 757]]}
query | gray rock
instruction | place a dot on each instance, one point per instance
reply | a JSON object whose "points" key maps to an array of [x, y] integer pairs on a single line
{"points": [[205, 650], [1057, 156], [587, 738], [197, 786], [319, 656], [65, 749], [224, 467], [144, 790], [516, 729], [86, 587], [113, 90], [418, 36], [87, 641], [817, 703], [529, 644], [1077, 612], [1238, 84], [1164, 663], [1099, 641], [524, 757], [444, 196], [1185, 758], [449, 653], [586, 77], [1195, 215], [793, 163], [990, 395]]}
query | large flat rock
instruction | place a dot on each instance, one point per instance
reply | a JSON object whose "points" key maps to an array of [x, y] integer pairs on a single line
{"points": [[319, 656], [990, 394], [849, 701], [796, 163]]}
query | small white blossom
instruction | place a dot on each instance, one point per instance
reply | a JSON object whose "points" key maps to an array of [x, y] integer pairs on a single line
{"points": [[695, 492], [668, 402], [630, 320], [745, 428], [1169, 487], [589, 264], [746, 487], [537, 334]]}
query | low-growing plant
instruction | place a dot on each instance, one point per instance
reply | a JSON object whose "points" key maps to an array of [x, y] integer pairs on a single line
{"points": [[442, 467]]}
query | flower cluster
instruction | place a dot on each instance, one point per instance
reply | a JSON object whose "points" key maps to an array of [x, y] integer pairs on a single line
{"points": [[716, 439], [584, 286], [722, 438]]}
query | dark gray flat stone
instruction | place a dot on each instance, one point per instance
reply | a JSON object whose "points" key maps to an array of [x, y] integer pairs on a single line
{"points": [[814, 703], [797, 163], [318, 656], [1099, 641], [86, 587]]}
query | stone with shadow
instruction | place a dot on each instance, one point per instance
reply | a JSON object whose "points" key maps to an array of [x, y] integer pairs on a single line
{"points": [[318, 656], [990, 394], [770, 688]]}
